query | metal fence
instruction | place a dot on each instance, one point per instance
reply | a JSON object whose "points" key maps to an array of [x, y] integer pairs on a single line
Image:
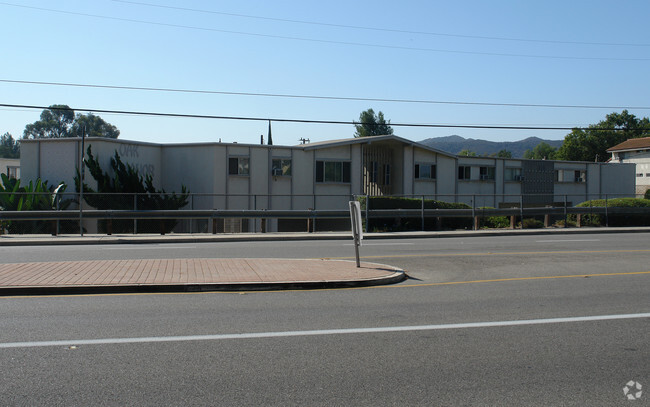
{"points": [[220, 213]]}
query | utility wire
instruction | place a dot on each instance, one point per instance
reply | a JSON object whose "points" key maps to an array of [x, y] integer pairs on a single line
{"points": [[294, 96], [357, 27], [321, 41], [282, 120]]}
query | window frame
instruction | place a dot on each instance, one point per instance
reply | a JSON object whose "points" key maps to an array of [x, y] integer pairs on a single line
{"points": [[417, 171], [322, 171], [240, 166], [466, 172], [487, 173], [281, 161]]}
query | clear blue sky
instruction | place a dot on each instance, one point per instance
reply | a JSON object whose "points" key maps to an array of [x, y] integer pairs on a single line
{"points": [[422, 50]]}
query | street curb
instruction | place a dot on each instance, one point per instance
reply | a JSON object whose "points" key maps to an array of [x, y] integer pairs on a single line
{"points": [[264, 237], [395, 277]]}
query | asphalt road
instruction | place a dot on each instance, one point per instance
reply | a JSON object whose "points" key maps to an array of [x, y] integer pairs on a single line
{"points": [[580, 306]]}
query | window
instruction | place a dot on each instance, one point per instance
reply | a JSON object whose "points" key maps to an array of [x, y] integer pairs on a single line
{"points": [[374, 169], [425, 171], [333, 171], [487, 173], [570, 176], [238, 166], [639, 175], [281, 167], [513, 174], [464, 172], [387, 174], [12, 172]]}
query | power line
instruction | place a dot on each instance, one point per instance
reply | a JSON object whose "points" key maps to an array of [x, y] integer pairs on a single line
{"points": [[321, 41], [357, 27], [295, 96], [303, 121]]}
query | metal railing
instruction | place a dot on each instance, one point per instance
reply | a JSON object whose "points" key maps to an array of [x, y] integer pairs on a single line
{"points": [[516, 207]]}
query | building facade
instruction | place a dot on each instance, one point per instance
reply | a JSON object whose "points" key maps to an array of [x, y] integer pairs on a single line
{"points": [[326, 175], [635, 151]]}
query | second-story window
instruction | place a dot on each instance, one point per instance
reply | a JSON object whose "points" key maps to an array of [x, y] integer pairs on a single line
{"points": [[238, 166]]}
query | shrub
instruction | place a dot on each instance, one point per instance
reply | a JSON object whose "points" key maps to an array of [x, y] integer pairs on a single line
{"points": [[35, 196], [616, 220], [532, 223], [126, 180]]}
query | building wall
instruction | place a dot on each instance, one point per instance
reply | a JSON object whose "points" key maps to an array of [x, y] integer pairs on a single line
{"points": [[203, 169], [10, 166]]}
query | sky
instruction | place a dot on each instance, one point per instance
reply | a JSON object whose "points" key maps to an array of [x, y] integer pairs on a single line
{"points": [[419, 62]]}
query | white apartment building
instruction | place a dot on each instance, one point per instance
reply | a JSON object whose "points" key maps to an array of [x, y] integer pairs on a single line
{"points": [[326, 175], [635, 151]]}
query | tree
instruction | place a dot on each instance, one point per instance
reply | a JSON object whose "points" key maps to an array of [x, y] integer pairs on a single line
{"points": [[467, 153], [591, 144], [9, 148], [93, 126], [55, 122], [542, 151], [371, 124], [504, 153], [58, 121]]}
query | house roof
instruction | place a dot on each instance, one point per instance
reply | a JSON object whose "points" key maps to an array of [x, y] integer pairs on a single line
{"points": [[370, 140], [632, 144]]}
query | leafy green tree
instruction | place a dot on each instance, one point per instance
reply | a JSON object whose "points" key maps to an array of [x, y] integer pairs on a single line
{"points": [[542, 151], [591, 144], [125, 181], [93, 126], [467, 153], [58, 121], [371, 124], [9, 148], [504, 153], [55, 122]]}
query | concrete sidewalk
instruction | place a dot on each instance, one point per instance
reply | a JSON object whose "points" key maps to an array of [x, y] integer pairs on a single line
{"points": [[179, 275]]}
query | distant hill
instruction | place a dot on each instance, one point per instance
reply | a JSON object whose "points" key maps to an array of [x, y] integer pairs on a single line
{"points": [[456, 144]]}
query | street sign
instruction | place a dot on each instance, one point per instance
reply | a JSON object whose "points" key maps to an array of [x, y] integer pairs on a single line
{"points": [[357, 230]]}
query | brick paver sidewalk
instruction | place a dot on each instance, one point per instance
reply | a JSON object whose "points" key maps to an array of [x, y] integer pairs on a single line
{"points": [[229, 273]]}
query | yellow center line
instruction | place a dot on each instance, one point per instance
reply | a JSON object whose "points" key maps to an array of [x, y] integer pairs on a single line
{"points": [[396, 256]]}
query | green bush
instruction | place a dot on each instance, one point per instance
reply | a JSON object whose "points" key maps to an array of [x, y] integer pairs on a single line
{"points": [[35, 196], [126, 180], [647, 194], [615, 220], [532, 223]]}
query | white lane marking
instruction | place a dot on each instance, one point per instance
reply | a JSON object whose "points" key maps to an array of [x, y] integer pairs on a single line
{"points": [[144, 247], [381, 244], [258, 335], [572, 240]]}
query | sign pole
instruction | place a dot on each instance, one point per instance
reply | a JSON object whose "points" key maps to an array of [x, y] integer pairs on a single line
{"points": [[357, 234]]}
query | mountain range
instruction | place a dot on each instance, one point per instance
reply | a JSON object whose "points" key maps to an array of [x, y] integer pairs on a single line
{"points": [[455, 144]]}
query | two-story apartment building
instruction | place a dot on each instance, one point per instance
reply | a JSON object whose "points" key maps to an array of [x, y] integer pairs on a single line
{"points": [[326, 175]]}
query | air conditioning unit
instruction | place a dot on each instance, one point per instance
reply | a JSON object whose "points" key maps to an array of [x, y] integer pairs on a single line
{"points": [[277, 172], [484, 177], [519, 177]]}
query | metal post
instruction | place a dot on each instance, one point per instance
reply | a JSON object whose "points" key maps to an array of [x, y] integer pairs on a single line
{"points": [[565, 215], [474, 212], [521, 210], [367, 206], [135, 208], [81, 182], [606, 212], [192, 206], [422, 213]]}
